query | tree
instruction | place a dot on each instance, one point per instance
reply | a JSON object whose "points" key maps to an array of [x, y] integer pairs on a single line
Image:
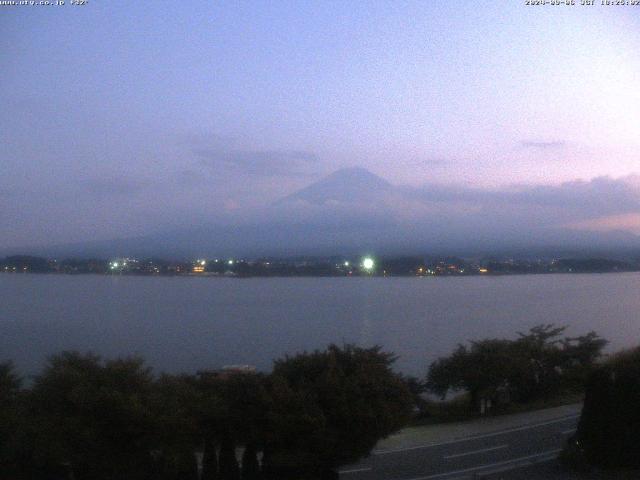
{"points": [[608, 427], [417, 388], [9, 416], [330, 407], [222, 423], [176, 407], [250, 465], [480, 369], [541, 360], [246, 404], [554, 362], [246, 401], [537, 364], [93, 415], [580, 356], [210, 461], [229, 468], [96, 419]]}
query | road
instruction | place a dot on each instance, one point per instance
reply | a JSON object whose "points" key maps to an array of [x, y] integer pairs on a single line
{"points": [[479, 454]]}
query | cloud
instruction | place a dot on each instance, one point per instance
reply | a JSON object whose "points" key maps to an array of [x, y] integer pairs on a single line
{"points": [[596, 197], [629, 222], [599, 196], [85, 189], [260, 162], [110, 186], [543, 145]]}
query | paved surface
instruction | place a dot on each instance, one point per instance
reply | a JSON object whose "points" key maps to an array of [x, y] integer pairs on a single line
{"points": [[552, 470], [481, 447]]}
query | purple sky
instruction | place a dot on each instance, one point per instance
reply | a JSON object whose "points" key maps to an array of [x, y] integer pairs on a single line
{"points": [[122, 118]]}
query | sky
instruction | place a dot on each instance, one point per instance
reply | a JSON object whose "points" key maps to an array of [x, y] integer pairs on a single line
{"points": [[122, 119]]}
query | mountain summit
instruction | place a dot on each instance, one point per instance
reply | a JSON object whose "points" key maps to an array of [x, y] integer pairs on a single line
{"points": [[348, 185]]}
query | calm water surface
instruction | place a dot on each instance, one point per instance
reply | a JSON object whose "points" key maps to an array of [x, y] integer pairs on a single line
{"points": [[185, 324]]}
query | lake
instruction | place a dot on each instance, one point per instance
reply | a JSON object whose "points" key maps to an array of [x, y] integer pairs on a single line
{"points": [[188, 323]]}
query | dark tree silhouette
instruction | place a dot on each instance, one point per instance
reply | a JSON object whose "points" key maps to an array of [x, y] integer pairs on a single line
{"points": [[330, 408], [608, 427], [537, 364], [93, 416], [9, 417], [89, 419], [229, 468], [250, 465]]}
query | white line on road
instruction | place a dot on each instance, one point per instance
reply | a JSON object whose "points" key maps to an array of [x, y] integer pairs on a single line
{"points": [[568, 432], [490, 449], [475, 437], [355, 470], [488, 466]]}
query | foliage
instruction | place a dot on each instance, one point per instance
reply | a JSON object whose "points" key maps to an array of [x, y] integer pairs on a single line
{"points": [[608, 428], [416, 388], [175, 404], [483, 367], [94, 419], [90, 419], [9, 414], [331, 407], [92, 415], [537, 364]]}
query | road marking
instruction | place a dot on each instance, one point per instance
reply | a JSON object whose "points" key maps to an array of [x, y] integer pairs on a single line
{"points": [[355, 470], [488, 465], [490, 449], [475, 437], [568, 432]]}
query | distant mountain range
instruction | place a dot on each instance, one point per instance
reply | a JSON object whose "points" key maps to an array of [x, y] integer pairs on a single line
{"points": [[353, 211]]}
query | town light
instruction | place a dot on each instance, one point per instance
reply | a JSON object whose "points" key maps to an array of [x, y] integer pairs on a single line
{"points": [[367, 263]]}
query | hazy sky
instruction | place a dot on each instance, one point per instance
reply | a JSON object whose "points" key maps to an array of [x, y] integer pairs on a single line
{"points": [[120, 118]]}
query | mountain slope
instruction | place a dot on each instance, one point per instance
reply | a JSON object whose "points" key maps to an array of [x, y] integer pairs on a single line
{"points": [[348, 185]]}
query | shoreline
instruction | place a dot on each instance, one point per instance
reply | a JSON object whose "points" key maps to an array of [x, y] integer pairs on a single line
{"points": [[242, 276]]}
